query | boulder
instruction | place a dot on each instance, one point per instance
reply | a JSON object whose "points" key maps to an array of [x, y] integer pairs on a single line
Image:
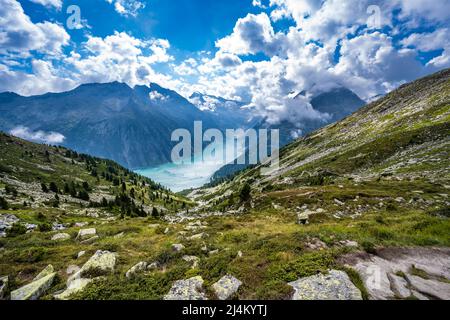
{"points": [[226, 287], [101, 263], [197, 236], [34, 290], [190, 289], [61, 237], [84, 234], [4, 281], [139, 267], [177, 247], [153, 266], [74, 286], [335, 285]]}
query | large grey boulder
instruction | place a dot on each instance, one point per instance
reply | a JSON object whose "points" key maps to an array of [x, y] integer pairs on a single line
{"points": [[190, 289], [34, 290], [101, 263], [226, 287], [84, 234], [335, 285]]}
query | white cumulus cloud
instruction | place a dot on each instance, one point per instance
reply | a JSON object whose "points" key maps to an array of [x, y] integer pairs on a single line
{"points": [[37, 136]]}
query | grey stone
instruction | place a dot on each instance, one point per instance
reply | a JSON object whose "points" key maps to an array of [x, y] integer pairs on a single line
{"points": [[190, 289], [84, 234], [137, 268], [177, 247], [80, 254], [102, 262], [74, 286], [47, 271], [61, 237], [430, 287], [226, 287], [153, 266], [335, 285], [399, 286]]}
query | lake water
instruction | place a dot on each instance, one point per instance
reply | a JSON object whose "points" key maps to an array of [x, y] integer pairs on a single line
{"points": [[178, 177]]}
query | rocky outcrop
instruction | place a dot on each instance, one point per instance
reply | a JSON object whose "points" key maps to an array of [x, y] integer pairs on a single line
{"points": [[403, 273], [6, 223], [34, 290], [226, 287], [190, 289], [335, 285]]}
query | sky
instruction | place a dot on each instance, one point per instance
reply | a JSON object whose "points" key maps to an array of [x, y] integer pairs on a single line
{"points": [[260, 52]]}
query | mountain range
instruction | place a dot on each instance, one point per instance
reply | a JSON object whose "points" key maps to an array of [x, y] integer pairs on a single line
{"points": [[133, 126]]}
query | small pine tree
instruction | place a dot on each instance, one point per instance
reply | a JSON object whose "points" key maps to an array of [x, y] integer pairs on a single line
{"points": [[155, 213], [245, 193], [53, 187], [44, 188]]}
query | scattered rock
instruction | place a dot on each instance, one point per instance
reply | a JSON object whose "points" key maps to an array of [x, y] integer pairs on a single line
{"points": [[338, 202], [74, 286], [177, 247], [190, 289], [316, 244], [166, 231], [239, 254], [4, 281], [213, 252], [335, 285], [80, 224], [153, 266], [226, 287], [195, 260], [153, 226], [34, 290], [58, 226], [197, 236], [84, 234], [80, 254], [61, 237], [139, 267], [349, 243]]}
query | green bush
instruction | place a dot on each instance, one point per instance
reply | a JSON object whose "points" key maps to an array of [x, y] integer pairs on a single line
{"points": [[45, 227], [16, 230]]}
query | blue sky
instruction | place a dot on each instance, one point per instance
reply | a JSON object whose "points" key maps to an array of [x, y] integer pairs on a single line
{"points": [[256, 51]]}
